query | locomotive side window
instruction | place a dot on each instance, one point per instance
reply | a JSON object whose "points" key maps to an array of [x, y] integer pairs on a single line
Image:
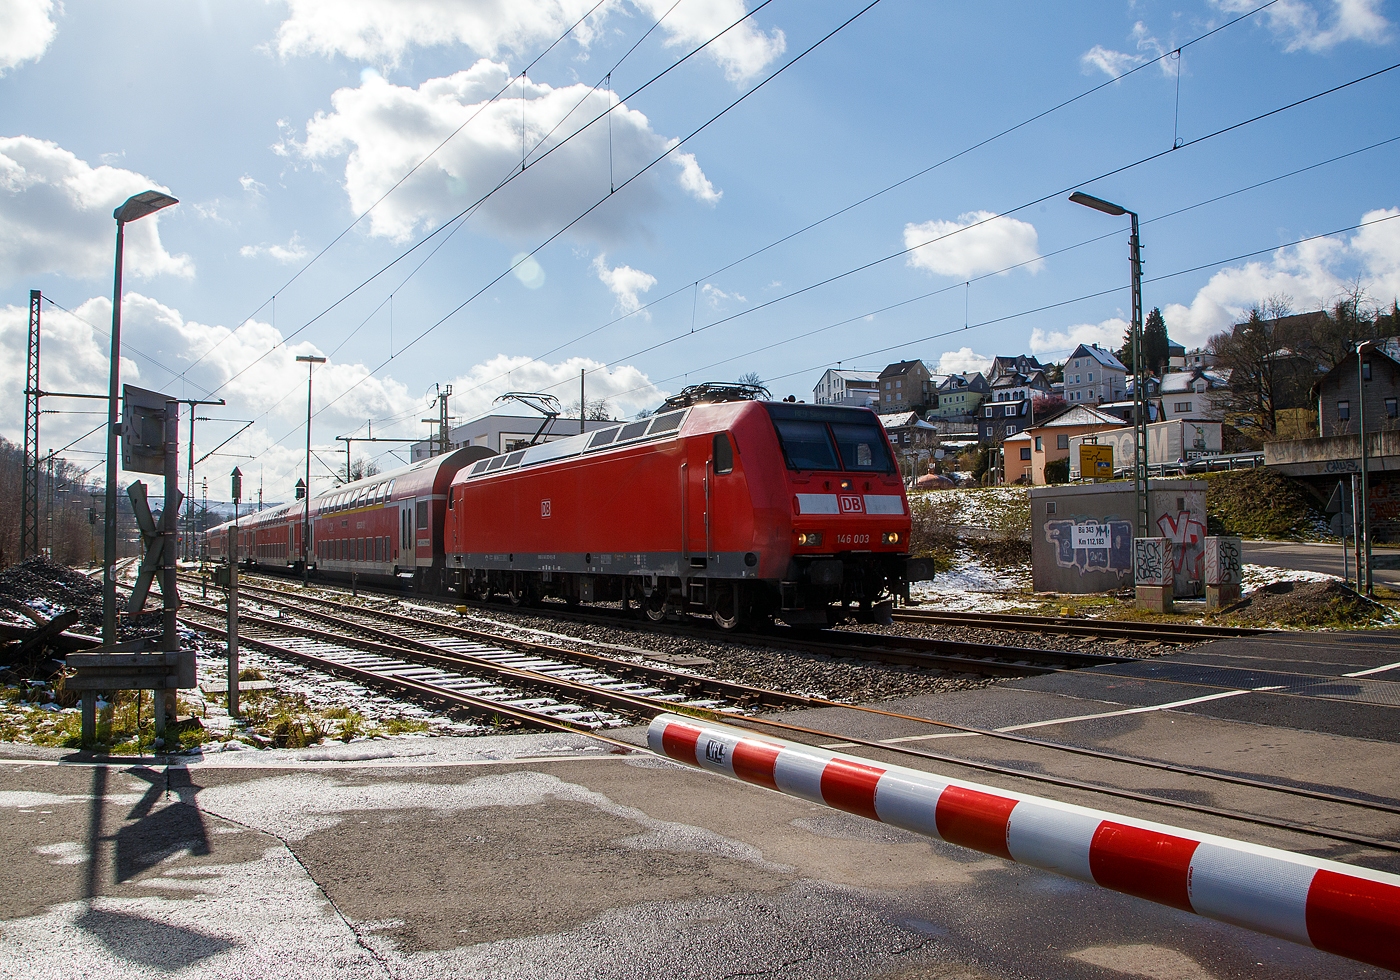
{"points": [[669, 422], [724, 454], [421, 518], [862, 447], [806, 445], [633, 429]]}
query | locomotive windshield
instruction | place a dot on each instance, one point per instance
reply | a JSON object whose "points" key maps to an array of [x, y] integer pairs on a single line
{"points": [[821, 438]]}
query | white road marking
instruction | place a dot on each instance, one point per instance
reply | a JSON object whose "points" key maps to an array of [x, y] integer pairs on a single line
{"points": [[1064, 721], [1373, 670]]}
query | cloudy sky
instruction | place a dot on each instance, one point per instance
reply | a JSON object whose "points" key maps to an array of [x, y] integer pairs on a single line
{"points": [[497, 194]]}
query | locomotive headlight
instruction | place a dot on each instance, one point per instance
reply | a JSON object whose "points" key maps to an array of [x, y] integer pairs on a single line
{"points": [[891, 537], [809, 538]]}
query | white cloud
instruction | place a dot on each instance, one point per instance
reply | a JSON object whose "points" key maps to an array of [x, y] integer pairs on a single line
{"points": [[994, 244], [626, 389], [718, 297], [291, 252], [26, 29], [1108, 334], [961, 360], [1302, 27], [625, 283], [528, 270], [1117, 63], [75, 359], [380, 33], [56, 216], [1110, 62], [252, 187], [742, 52], [386, 129], [693, 179]]}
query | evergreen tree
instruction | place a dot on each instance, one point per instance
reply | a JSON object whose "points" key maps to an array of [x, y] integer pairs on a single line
{"points": [[1155, 345]]}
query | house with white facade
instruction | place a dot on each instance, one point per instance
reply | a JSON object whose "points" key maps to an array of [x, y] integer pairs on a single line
{"points": [[1193, 394], [1094, 375], [841, 387]]}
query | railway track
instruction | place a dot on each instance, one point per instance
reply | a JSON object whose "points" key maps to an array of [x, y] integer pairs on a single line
{"points": [[1169, 633], [987, 659], [532, 684]]}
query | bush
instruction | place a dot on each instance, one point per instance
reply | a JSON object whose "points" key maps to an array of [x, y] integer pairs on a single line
{"points": [[1057, 471]]}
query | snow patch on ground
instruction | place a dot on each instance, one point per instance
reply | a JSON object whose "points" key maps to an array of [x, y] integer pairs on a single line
{"points": [[972, 585], [1258, 576]]}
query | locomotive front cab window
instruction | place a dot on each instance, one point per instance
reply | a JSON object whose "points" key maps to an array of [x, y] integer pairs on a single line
{"points": [[862, 447], [724, 454], [806, 445]]}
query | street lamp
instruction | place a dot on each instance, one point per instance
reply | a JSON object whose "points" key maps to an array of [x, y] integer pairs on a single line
{"points": [[1363, 537], [311, 361], [1139, 371], [136, 206]]}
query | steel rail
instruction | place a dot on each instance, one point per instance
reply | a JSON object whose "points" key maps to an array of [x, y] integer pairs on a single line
{"points": [[643, 705], [814, 702], [1075, 626], [958, 655], [476, 706], [689, 684]]}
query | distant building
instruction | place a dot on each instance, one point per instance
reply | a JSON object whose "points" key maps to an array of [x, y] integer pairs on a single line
{"points": [[1015, 383], [961, 394], [1050, 441], [1193, 394], [502, 433], [1198, 358], [908, 431], [841, 387], [1337, 392], [1094, 375], [905, 385]]}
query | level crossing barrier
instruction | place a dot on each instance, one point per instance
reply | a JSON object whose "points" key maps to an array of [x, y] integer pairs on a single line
{"points": [[1353, 912]]}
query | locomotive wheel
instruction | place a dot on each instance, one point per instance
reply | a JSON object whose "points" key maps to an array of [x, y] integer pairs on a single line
{"points": [[727, 609], [515, 592], [654, 605]]}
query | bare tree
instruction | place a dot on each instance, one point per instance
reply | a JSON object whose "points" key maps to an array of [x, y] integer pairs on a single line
{"points": [[359, 470], [751, 378]]}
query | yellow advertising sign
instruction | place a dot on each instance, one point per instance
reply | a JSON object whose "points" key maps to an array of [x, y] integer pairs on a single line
{"points": [[1096, 462]]}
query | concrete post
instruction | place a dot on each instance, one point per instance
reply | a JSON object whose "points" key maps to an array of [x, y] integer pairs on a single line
{"points": [[1153, 573], [1224, 571]]}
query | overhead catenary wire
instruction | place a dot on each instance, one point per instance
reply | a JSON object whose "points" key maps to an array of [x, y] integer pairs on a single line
{"points": [[671, 148], [412, 170], [507, 179], [1018, 265], [1187, 144], [1021, 207], [897, 184]]}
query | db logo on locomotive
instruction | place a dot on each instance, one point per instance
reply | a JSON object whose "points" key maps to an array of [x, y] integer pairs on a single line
{"points": [[851, 504]]}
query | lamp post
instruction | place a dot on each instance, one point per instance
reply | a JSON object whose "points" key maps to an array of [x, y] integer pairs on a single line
{"points": [[1139, 372], [136, 206], [311, 361], [1363, 536]]}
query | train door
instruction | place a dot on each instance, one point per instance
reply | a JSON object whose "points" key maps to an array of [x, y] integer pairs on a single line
{"points": [[698, 481], [407, 534]]}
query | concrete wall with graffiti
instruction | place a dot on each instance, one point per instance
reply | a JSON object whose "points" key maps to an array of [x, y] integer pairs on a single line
{"points": [[1082, 535]]}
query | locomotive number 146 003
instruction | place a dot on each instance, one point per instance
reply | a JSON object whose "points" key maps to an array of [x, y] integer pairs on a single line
{"points": [[852, 539]]}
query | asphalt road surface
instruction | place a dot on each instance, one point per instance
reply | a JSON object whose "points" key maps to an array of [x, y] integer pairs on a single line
{"points": [[1322, 558]]}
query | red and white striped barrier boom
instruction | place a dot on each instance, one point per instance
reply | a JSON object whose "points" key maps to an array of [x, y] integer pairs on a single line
{"points": [[1349, 911]]}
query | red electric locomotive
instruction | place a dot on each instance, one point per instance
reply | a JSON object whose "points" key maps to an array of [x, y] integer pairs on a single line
{"points": [[743, 510]]}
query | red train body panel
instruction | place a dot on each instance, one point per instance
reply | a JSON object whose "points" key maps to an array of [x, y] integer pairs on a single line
{"points": [[744, 510]]}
